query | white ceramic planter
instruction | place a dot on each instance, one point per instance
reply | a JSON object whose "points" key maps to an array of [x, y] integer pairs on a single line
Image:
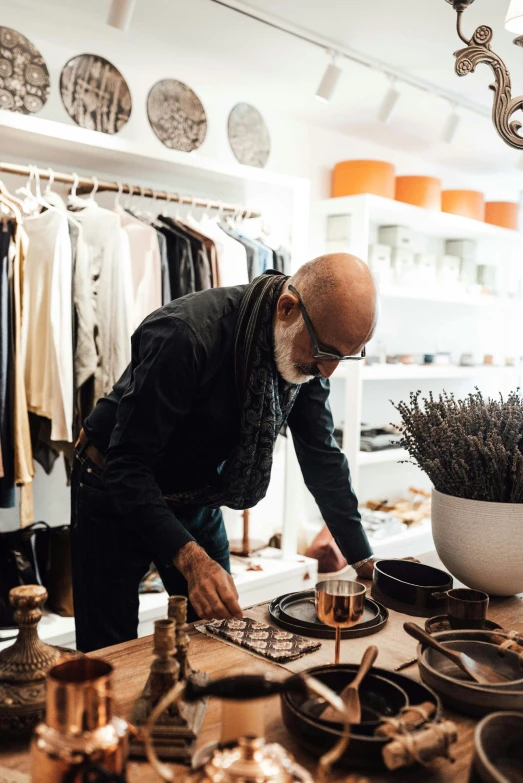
{"points": [[479, 543]]}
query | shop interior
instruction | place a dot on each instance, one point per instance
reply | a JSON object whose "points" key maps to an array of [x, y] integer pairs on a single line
{"points": [[257, 135]]}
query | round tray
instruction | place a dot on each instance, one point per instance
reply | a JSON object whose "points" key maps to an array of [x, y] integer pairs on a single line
{"points": [[363, 751], [374, 617]]}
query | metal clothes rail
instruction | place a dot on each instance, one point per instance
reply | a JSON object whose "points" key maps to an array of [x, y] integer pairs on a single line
{"points": [[88, 184]]}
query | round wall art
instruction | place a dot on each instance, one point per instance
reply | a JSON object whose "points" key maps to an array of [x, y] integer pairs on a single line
{"points": [[24, 78], [176, 115], [248, 135], [95, 94]]}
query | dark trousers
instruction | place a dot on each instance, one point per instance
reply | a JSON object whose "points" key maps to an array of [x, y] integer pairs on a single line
{"points": [[110, 558]]}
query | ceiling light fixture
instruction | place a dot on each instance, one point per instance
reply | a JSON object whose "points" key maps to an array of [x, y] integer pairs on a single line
{"points": [[514, 20], [120, 14], [389, 103], [451, 126], [330, 80], [478, 50]]}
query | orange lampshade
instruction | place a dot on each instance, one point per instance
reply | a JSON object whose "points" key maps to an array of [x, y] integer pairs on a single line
{"points": [[502, 213], [353, 177], [467, 203], [421, 191]]}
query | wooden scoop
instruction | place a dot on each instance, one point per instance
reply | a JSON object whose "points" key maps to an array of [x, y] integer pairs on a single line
{"points": [[478, 672], [350, 696]]}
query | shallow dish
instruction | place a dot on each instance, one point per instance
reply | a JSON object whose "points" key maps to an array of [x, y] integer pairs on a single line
{"points": [[363, 751], [374, 617], [498, 750], [410, 588], [441, 623], [507, 663], [468, 698]]}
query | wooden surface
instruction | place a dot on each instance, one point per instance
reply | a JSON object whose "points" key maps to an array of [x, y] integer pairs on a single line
{"points": [[132, 660]]}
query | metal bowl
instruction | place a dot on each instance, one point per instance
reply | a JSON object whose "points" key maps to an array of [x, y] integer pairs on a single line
{"points": [[466, 696], [498, 750]]}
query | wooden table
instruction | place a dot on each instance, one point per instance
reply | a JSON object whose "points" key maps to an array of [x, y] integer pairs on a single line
{"points": [[132, 660]]}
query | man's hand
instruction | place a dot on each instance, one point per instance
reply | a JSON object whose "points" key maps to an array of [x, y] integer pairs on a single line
{"points": [[367, 569], [211, 589]]}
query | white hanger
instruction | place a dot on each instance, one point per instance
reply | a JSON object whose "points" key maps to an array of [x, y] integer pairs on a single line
{"points": [[95, 188], [118, 195]]}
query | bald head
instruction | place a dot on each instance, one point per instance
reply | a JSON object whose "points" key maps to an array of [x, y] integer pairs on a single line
{"points": [[340, 297]]}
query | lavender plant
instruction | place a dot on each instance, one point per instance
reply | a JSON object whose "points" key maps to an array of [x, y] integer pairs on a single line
{"points": [[470, 448]]}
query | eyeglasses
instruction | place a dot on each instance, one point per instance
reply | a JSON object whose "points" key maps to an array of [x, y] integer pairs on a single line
{"points": [[328, 356]]}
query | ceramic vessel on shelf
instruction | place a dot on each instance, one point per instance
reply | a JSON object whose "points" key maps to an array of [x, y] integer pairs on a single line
{"points": [[480, 543], [498, 750]]}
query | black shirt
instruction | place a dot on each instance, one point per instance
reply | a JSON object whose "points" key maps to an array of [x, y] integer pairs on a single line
{"points": [[173, 418]]}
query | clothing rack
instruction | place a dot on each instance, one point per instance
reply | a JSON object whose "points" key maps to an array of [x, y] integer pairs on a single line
{"points": [[82, 185]]}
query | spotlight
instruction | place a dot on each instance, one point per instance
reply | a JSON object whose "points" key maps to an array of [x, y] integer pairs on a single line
{"points": [[329, 81], [451, 126], [120, 14], [514, 20], [389, 104]]}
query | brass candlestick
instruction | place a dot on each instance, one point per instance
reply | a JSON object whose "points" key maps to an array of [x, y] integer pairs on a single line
{"points": [[245, 546], [177, 612], [340, 604], [24, 665], [175, 733]]}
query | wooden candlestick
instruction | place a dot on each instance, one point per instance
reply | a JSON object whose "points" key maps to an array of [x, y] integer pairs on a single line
{"points": [[245, 547]]}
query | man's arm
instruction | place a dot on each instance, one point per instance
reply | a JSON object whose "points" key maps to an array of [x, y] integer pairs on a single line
{"points": [[166, 358], [325, 469]]}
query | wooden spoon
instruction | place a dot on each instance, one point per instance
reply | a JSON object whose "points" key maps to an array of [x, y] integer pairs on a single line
{"points": [[350, 695], [478, 672]]}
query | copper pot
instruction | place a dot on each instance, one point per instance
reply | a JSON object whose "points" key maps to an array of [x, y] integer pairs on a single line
{"points": [[80, 727]]}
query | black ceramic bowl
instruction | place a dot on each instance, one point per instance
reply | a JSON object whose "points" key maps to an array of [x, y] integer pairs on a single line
{"points": [[498, 750], [379, 698], [364, 750], [410, 588]]}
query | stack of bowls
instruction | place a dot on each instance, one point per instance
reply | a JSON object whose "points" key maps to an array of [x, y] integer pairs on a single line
{"points": [[463, 694]]}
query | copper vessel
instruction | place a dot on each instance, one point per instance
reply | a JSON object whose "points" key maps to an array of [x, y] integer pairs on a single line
{"points": [[340, 604], [80, 727]]}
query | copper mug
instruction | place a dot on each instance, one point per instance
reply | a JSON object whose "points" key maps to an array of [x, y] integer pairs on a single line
{"points": [[80, 726], [339, 604]]}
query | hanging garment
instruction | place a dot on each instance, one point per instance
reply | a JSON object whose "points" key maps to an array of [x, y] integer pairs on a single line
{"points": [[201, 261], [166, 283], [232, 260], [23, 455], [251, 249], [47, 345], [104, 237], [146, 273], [214, 247], [179, 255], [283, 260], [7, 482]]}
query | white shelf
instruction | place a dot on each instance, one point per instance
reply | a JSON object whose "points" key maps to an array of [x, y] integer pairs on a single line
{"points": [[71, 147], [381, 457], [446, 297], [426, 372], [383, 211]]}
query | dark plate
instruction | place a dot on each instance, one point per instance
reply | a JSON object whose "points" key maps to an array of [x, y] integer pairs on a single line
{"points": [[363, 751], [441, 623], [321, 631], [300, 608]]}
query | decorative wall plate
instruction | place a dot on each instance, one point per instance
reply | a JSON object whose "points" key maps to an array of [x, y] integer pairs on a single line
{"points": [[176, 115], [248, 136], [95, 94], [24, 78]]}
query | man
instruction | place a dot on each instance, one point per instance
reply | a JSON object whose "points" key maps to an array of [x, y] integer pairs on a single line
{"points": [[191, 426]]}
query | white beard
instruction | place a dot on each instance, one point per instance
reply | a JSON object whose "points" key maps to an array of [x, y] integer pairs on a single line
{"points": [[283, 345]]}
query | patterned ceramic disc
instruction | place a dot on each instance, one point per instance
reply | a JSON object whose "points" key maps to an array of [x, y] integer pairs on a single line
{"points": [[248, 136], [24, 78], [176, 115], [95, 94]]}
